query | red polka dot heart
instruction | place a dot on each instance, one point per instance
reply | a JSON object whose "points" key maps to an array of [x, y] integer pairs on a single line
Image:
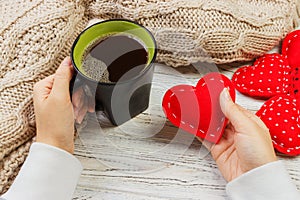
{"points": [[281, 116], [277, 76], [269, 76]]}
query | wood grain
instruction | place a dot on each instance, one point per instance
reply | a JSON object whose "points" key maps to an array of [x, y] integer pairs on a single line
{"points": [[149, 158]]}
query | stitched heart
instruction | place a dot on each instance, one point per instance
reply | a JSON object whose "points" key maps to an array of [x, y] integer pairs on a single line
{"points": [[269, 76], [281, 116], [291, 48], [196, 109]]}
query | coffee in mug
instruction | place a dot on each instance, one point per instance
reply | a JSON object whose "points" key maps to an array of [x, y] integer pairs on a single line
{"points": [[110, 58]]}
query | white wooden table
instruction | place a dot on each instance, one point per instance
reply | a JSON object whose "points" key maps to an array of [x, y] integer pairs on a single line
{"points": [[149, 158]]}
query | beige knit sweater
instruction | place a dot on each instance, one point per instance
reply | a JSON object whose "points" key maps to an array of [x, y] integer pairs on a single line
{"points": [[35, 35], [221, 31]]}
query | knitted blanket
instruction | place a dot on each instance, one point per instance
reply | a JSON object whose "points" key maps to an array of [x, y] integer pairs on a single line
{"points": [[35, 35], [188, 31]]}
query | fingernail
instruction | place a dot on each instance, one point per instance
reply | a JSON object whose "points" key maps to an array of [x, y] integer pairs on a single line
{"points": [[225, 96], [80, 119], [75, 113], [76, 110]]}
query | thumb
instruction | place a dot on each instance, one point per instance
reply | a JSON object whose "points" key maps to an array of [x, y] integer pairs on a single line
{"points": [[62, 78], [232, 111]]}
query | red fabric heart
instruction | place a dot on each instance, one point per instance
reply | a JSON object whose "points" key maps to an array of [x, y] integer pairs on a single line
{"points": [[281, 116], [196, 109], [291, 48], [269, 76], [281, 112]]}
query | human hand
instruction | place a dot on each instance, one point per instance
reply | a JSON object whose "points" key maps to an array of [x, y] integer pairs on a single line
{"points": [[54, 110], [246, 143]]}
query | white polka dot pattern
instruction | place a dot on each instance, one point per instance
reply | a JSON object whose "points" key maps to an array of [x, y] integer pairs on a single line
{"points": [[269, 76], [283, 124], [277, 76]]}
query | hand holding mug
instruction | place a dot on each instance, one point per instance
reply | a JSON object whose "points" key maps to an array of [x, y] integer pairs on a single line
{"points": [[54, 110]]}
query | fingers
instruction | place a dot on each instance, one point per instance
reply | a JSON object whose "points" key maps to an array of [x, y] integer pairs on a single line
{"points": [[82, 112], [253, 117], [77, 100], [62, 78], [236, 116], [91, 107], [81, 105]]}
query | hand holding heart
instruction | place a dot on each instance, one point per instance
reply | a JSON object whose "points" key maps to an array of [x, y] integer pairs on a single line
{"points": [[246, 143], [237, 147], [197, 109]]}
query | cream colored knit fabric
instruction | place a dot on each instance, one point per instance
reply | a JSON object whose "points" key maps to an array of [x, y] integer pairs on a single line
{"points": [[222, 31], [34, 37], [297, 14]]}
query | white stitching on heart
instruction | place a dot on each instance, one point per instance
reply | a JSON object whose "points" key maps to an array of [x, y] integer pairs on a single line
{"points": [[260, 90], [287, 101], [190, 125]]}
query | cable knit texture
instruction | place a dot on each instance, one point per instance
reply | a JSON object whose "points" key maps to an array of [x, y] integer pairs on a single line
{"points": [[34, 38], [217, 31], [35, 35]]}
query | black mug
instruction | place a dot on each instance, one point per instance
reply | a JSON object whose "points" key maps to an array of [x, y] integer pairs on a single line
{"points": [[129, 96]]}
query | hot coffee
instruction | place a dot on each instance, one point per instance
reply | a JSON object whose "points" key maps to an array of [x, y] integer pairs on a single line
{"points": [[113, 58]]}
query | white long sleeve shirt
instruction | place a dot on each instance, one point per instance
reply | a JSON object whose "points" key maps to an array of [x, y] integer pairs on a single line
{"points": [[50, 173]]}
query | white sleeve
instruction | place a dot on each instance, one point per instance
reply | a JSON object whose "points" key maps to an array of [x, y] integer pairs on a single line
{"points": [[48, 173], [270, 181]]}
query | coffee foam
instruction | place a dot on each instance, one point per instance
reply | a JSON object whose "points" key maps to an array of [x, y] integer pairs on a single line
{"points": [[95, 69]]}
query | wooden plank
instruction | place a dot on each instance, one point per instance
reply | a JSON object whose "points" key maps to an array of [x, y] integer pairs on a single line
{"points": [[149, 158]]}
